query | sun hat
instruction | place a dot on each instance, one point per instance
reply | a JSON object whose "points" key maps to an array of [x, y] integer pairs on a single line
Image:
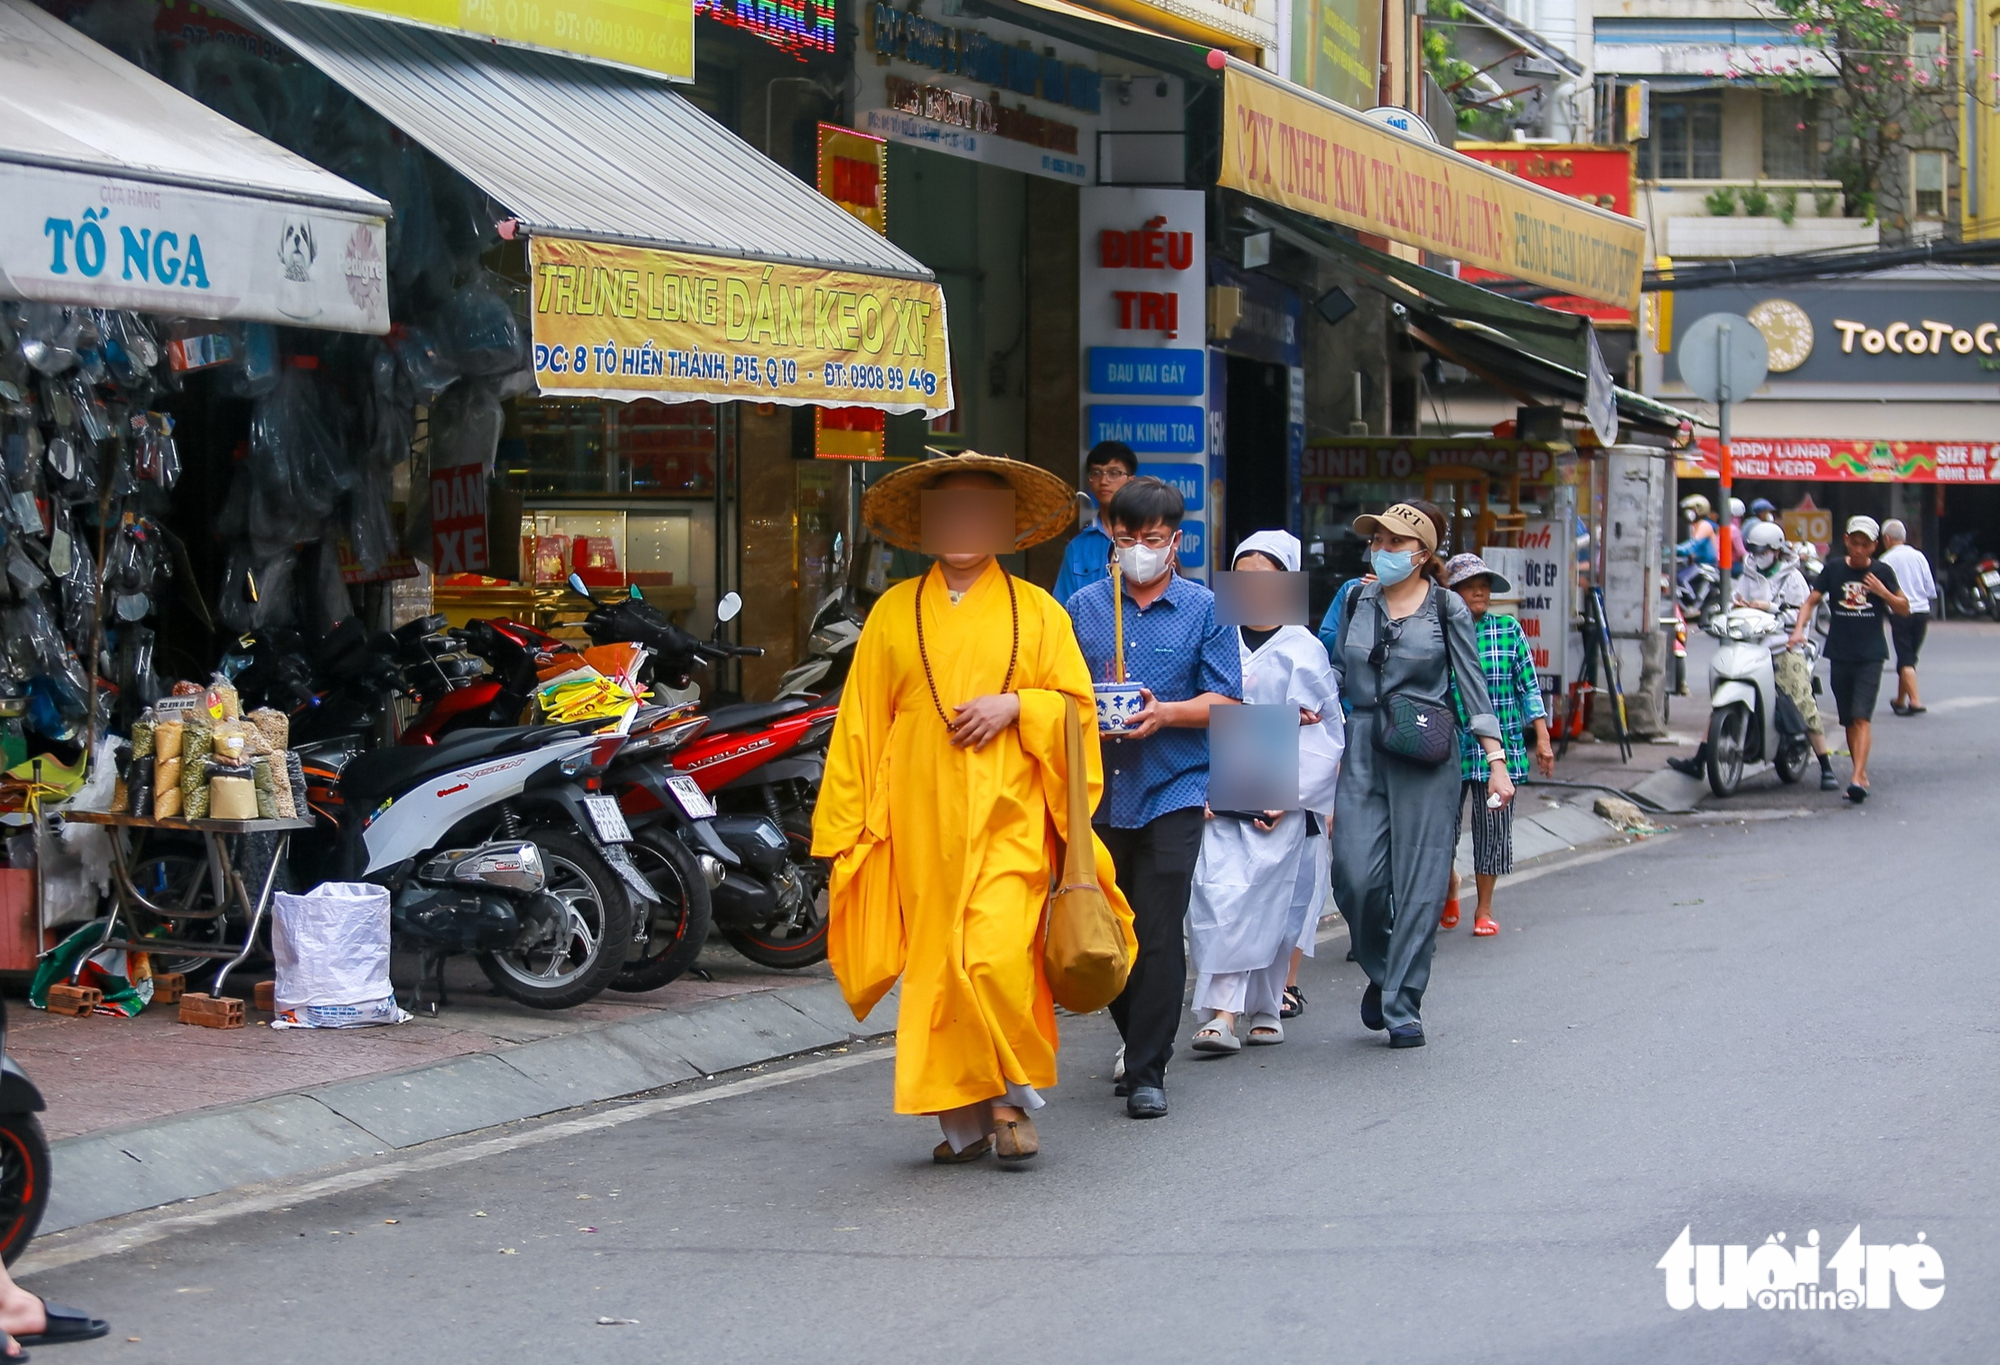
{"points": [[1459, 568], [1044, 505], [1400, 519], [1866, 526]]}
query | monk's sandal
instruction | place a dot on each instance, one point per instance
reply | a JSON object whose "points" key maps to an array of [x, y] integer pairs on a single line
{"points": [[1015, 1139]]}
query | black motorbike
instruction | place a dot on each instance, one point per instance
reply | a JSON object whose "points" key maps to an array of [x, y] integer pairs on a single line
{"points": [[24, 1154], [1971, 579]]}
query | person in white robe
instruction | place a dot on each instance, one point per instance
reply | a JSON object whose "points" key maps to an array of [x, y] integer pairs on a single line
{"points": [[1261, 884]]}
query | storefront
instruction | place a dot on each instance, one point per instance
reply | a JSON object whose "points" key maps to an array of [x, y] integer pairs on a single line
{"points": [[1882, 399]]}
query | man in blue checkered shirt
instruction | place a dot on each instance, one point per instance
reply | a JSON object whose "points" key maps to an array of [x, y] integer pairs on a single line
{"points": [[1155, 781]]}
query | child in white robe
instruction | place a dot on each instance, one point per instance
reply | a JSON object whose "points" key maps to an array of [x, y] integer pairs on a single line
{"points": [[1261, 884]]}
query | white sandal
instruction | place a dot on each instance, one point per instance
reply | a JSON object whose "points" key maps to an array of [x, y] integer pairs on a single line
{"points": [[1269, 1026], [1215, 1036]]}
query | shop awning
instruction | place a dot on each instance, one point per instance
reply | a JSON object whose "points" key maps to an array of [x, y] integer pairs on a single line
{"points": [[118, 191], [1296, 149], [671, 260], [1520, 348]]}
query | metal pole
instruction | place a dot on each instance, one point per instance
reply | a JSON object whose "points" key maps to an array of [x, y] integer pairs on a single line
{"points": [[1722, 549]]}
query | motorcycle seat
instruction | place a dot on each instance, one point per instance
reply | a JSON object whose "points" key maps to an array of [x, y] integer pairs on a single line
{"points": [[391, 772], [751, 714]]}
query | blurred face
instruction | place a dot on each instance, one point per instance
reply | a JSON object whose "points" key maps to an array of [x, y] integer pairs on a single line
{"points": [[1255, 562], [967, 518], [1860, 546], [1478, 594]]}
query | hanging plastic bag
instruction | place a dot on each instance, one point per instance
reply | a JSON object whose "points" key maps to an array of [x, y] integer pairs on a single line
{"points": [[466, 424], [49, 336], [425, 365], [481, 327]]}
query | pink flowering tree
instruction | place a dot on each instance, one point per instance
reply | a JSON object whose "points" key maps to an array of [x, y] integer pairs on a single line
{"points": [[1889, 98]]}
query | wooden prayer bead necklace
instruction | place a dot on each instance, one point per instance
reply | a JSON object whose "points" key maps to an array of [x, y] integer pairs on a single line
{"points": [[1013, 655]]}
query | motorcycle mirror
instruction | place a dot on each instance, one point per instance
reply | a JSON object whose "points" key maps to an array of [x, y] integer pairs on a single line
{"points": [[727, 609], [579, 587], [634, 593]]}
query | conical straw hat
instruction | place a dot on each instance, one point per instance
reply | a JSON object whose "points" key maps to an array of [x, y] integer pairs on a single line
{"points": [[1044, 506]]}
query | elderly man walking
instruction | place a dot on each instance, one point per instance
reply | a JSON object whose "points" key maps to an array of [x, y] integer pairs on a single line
{"points": [[1906, 633]]}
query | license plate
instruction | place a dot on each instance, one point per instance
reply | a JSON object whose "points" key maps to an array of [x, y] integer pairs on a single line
{"points": [[1990, 578], [694, 801], [607, 819]]}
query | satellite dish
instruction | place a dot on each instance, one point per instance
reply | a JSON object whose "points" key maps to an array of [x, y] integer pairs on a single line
{"points": [[1405, 121]]}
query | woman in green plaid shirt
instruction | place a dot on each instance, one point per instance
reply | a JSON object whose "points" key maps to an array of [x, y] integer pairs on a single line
{"points": [[1517, 701]]}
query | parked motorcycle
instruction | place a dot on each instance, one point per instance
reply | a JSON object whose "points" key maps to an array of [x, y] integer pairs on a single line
{"points": [[761, 764], [24, 1154], [1752, 726], [491, 841], [1971, 584]]}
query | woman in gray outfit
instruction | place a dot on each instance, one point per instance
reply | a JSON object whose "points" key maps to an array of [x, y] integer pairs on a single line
{"points": [[1395, 824]]}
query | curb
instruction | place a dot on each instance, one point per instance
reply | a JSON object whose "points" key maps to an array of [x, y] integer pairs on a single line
{"points": [[124, 1170]]}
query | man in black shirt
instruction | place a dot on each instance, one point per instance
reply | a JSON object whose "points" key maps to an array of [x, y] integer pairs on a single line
{"points": [[1861, 592]]}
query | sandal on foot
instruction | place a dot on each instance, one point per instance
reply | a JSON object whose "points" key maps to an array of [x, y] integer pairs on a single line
{"points": [[1214, 1036], [1015, 1139], [1857, 793], [1295, 1003], [943, 1155], [1484, 926], [1449, 919], [65, 1324], [1265, 1031]]}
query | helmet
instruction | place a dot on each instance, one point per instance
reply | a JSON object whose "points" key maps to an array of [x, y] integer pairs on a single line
{"points": [[1762, 505], [1764, 535], [1696, 504], [1736, 509]]}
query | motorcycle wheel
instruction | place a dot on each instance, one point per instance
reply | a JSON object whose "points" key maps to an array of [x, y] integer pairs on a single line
{"points": [[1727, 730], [168, 879], [24, 1182], [1794, 757], [677, 927], [600, 931]]}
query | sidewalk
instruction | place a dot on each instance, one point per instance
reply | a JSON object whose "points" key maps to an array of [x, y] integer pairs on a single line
{"points": [[148, 1111]]}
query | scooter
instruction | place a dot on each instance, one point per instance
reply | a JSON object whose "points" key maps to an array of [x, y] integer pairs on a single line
{"points": [[1752, 726], [1971, 579], [24, 1154]]}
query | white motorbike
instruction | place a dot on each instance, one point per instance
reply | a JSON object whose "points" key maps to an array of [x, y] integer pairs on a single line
{"points": [[1752, 726]]}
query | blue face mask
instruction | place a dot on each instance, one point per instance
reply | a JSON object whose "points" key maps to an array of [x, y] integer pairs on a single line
{"points": [[1392, 566]]}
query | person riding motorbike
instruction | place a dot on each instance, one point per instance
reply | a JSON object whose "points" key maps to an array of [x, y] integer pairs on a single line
{"points": [[1700, 543], [1772, 581], [1763, 509]]}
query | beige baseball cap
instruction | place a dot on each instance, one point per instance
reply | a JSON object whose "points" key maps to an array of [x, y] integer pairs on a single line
{"points": [[1400, 519], [1866, 526]]}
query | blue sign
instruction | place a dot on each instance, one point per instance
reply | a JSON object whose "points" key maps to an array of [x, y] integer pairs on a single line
{"points": [[1187, 479], [1153, 429], [1193, 556], [1133, 369]]}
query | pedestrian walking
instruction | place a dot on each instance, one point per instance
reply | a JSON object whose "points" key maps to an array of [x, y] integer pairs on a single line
{"points": [[1405, 644], [1861, 592], [943, 796], [1516, 695], [1906, 633], [27, 1319], [1087, 558], [1261, 880], [1151, 814]]}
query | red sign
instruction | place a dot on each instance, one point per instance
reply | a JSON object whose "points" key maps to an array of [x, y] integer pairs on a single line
{"points": [[458, 520], [1597, 175], [1836, 461]]}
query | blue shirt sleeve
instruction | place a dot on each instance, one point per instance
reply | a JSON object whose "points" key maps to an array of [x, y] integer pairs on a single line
{"points": [[1329, 626], [1076, 570], [1221, 669]]}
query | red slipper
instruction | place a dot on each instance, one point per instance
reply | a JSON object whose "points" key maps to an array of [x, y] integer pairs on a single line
{"points": [[1449, 920], [1485, 926]]}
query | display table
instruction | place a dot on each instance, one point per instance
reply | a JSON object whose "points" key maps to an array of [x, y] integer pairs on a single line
{"points": [[215, 891]]}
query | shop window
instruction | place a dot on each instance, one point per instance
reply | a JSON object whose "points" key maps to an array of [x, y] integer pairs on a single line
{"points": [[642, 449], [1687, 140], [1927, 178], [1791, 137], [1927, 45]]}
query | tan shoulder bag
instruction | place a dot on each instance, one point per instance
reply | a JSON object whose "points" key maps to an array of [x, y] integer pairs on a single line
{"points": [[1085, 953]]}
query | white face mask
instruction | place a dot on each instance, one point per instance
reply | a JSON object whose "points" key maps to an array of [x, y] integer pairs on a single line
{"points": [[1142, 563]]}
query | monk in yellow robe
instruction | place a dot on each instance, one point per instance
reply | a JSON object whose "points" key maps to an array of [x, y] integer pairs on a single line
{"points": [[944, 798]]}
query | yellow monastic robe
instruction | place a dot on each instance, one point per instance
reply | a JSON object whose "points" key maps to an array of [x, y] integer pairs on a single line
{"points": [[943, 857]]}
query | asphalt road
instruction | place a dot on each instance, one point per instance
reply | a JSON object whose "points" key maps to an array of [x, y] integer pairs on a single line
{"points": [[1778, 1024]]}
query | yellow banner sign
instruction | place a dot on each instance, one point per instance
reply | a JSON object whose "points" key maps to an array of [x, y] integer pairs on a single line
{"points": [[650, 35], [1318, 158], [632, 322]]}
